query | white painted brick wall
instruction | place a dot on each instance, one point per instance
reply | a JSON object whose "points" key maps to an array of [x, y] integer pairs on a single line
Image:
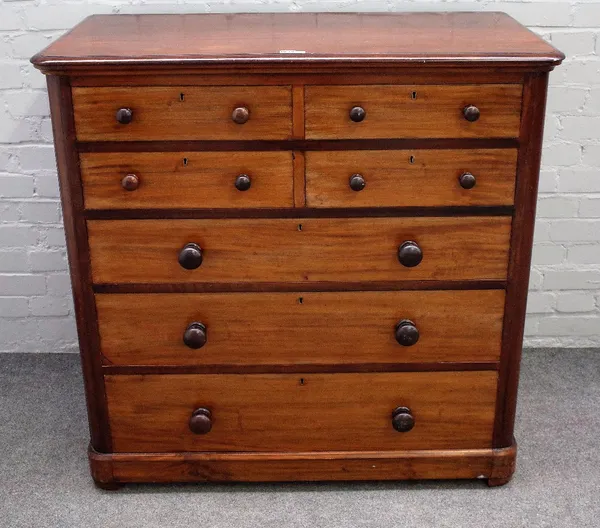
{"points": [[36, 311]]}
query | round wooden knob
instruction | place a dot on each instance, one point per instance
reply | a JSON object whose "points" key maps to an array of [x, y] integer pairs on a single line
{"points": [[358, 114], [467, 180], [195, 335], [190, 256], [402, 419], [410, 254], [200, 421], [240, 115], [242, 182], [124, 115], [471, 113], [130, 182], [357, 182], [407, 334]]}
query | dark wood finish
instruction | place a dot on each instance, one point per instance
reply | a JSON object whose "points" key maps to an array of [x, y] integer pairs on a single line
{"points": [[299, 226], [411, 177], [521, 243], [59, 93], [300, 369], [392, 112], [257, 250], [179, 180], [308, 412], [336, 328], [353, 40], [201, 421], [161, 114], [313, 466], [199, 287], [297, 145]]}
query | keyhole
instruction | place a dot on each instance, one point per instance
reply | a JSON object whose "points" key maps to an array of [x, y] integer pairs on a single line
{"points": [[301, 381], [299, 227], [300, 300], [185, 162], [181, 97], [411, 159], [413, 95]]}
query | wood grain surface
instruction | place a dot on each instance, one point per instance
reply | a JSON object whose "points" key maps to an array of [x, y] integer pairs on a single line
{"points": [[204, 113], [311, 412], [175, 180], [304, 250], [392, 112], [303, 328], [405, 178]]}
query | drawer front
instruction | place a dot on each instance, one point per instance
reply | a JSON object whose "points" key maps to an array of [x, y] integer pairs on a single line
{"points": [[182, 113], [392, 111], [298, 250], [308, 412], [170, 180], [400, 178], [315, 328]]}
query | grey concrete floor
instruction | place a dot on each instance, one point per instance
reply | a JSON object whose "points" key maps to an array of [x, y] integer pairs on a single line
{"points": [[44, 479]]}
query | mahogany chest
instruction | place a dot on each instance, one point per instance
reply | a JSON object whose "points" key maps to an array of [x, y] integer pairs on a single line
{"points": [[299, 243]]}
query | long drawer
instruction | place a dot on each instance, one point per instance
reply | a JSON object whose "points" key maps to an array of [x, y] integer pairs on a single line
{"points": [[171, 180], [307, 328], [301, 250], [413, 111], [404, 178], [308, 412], [182, 113]]}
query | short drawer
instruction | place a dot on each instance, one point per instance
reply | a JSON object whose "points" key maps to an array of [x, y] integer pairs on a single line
{"points": [[424, 111], [405, 178], [303, 250], [171, 180], [182, 113], [305, 328], [308, 412]]}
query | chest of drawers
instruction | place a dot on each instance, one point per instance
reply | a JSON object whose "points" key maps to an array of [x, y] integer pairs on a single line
{"points": [[299, 244]]}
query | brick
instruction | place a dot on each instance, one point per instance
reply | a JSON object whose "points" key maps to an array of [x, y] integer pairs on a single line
{"points": [[35, 158], [548, 181], [58, 284], [572, 280], [591, 156], [581, 301], [55, 331], [540, 302], [17, 236], [542, 231], [557, 207], [49, 306], [589, 207], [535, 279], [28, 44], [592, 102], [580, 128], [54, 236], [566, 98], [47, 260], [46, 130], [11, 19], [24, 104], [33, 78], [41, 212], [575, 230], [14, 130], [63, 16], [532, 323], [12, 75], [561, 154], [586, 14], [548, 254], [22, 285], [579, 71], [14, 306], [573, 43], [584, 254], [9, 211], [541, 14], [579, 180], [568, 325], [13, 260], [47, 186], [16, 187]]}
